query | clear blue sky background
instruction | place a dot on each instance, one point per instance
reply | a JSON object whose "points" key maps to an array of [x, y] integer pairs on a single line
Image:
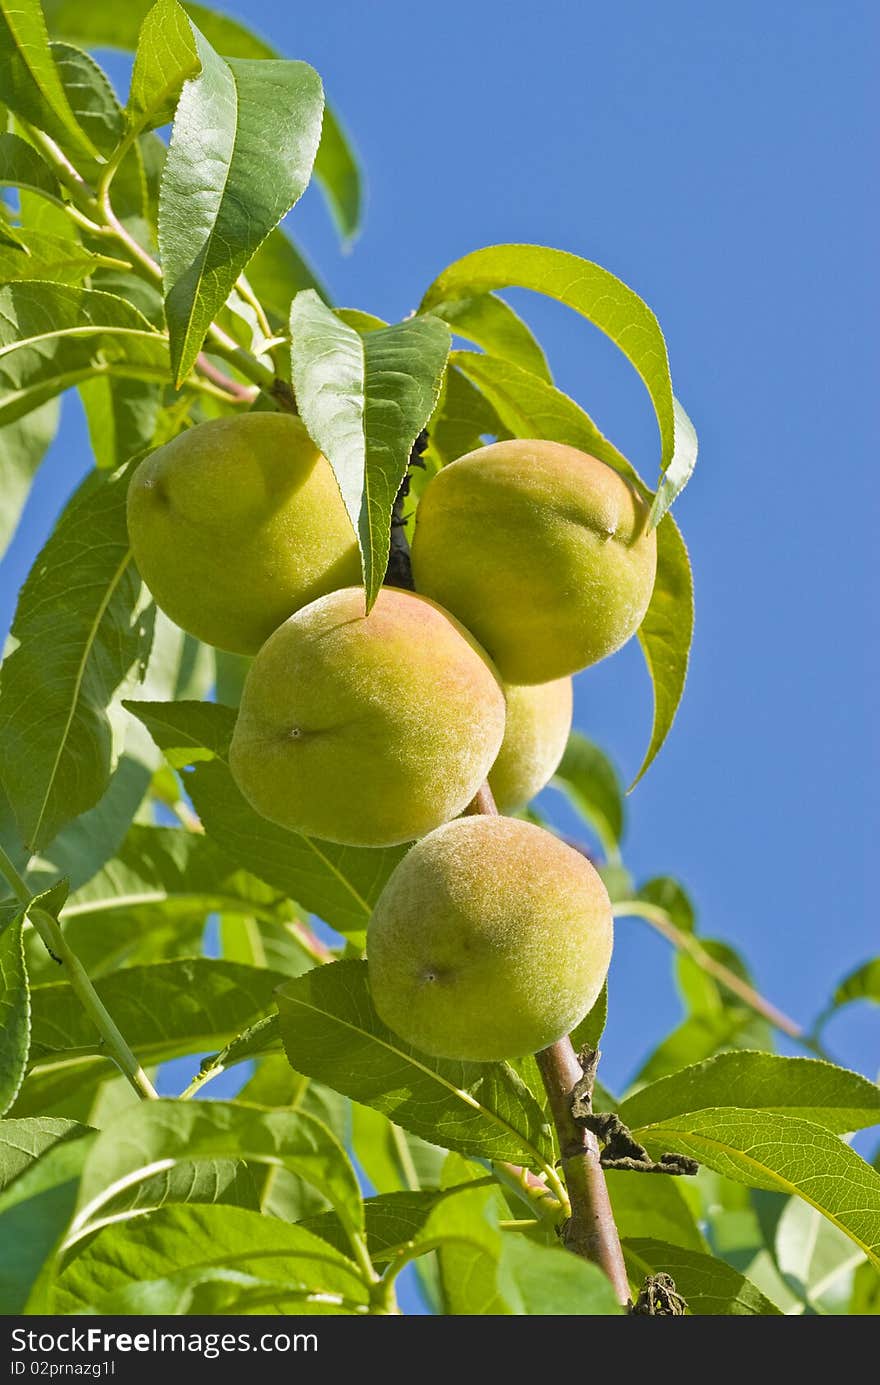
{"points": [[721, 160]]}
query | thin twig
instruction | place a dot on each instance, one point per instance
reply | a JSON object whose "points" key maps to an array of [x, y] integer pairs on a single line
{"points": [[186, 817], [686, 942], [245, 393]]}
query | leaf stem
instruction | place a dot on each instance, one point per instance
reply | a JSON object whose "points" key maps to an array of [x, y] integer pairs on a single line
{"points": [[19, 888], [201, 1079], [97, 204], [113, 1043], [67, 174], [591, 1231], [221, 344], [112, 165], [50, 931], [246, 292]]}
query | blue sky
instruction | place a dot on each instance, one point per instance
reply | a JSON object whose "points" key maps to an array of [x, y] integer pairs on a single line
{"points": [[719, 159]]}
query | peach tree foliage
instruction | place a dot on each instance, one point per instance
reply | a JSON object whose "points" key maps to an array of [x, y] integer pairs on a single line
{"points": [[152, 276]]}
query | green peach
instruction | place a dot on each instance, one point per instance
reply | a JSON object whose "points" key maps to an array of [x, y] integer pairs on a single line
{"points": [[236, 524], [541, 551], [367, 729], [535, 736], [491, 939]]}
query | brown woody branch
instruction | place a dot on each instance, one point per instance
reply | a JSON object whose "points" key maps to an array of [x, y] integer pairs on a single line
{"points": [[591, 1231]]}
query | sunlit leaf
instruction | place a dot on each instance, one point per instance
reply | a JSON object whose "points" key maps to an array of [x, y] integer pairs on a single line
{"points": [[79, 633], [242, 149], [332, 1032], [364, 400], [29, 79], [708, 1286], [784, 1154], [15, 1011], [166, 56], [612, 307], [806, 1087]]}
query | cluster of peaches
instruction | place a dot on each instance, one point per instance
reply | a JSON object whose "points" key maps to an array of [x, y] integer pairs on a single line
{"points": [[531, 561]]}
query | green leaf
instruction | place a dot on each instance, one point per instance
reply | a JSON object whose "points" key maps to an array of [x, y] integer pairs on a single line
{"points": [[166, 1245], [709, 1286], [276, 274], [283, 1194], [242, 149], [15, 1011], [162, 1133], [121, 416], [865, 1299], [391, 1219], [84, 845], [807, 1087], [392, 1159], [160, 880], [339, 883], [589, 780], [165, 1010], [187, 732], [783, 1154], [53, 336], [22, 1142], [364, 400], [654, 1207], [34, 1213], [44, 256], [815, 1258], [589, 1032], [23, 167], [861, 984], [465, 1232], [332, 1032], [671, 896], [548, 1281], [78, 636], [336, 167], [612, 307], [29, 78], [97, 109], [462, 419], [680, 469], [665, 634], [530, 407], [697, 1037], [82, 848], [23, 445], [490, 323], [166, 56]]}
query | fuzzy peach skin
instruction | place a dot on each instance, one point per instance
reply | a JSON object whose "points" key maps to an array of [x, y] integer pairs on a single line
{"points": [[491, 940], [367, 730], [541, 551], [236, 524], [535, 736]]}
